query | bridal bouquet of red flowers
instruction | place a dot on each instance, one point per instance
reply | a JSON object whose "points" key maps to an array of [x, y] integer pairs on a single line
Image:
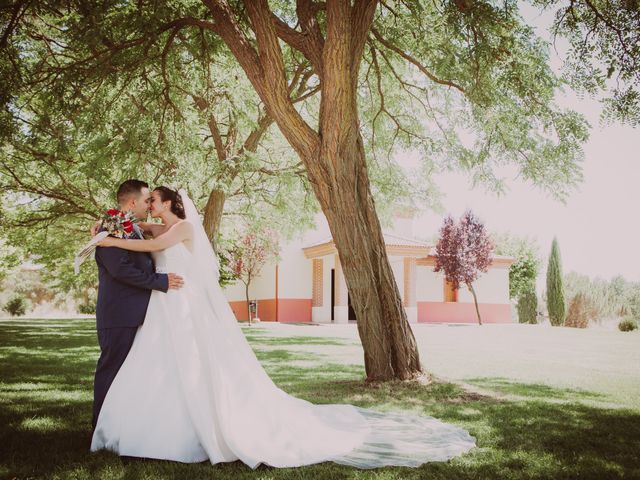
{"points": [[114, 222], [118, 223]]}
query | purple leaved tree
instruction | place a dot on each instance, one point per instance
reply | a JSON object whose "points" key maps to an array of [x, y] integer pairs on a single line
{"points": [[463, 252], [248, 257]]}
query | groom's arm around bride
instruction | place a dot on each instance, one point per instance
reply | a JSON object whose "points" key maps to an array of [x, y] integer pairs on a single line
{"points": [[119, 265]]}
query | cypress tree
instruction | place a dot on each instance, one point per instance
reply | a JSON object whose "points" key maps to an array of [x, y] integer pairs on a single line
{"points": [[555, 288]]}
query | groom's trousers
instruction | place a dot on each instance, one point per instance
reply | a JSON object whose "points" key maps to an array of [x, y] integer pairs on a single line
{"points": [[115, 344]]}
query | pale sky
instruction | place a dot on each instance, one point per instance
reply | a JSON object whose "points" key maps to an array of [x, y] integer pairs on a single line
{"points": [[598, 227]]}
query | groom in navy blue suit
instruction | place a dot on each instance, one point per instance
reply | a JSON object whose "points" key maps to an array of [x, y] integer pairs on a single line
{"points": [[126, 280]]}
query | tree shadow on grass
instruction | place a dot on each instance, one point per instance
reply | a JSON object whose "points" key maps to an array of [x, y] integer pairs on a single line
{"points": [[45, 433], [37, 335], [506, 386], [525, 439], [259, 340]]}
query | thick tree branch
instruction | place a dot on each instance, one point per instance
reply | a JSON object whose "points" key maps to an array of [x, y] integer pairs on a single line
{"points": [[383, 108], [272, 87], [21, 185], [310, 41], [307, 14], [252, 141], [361, 21], [337, 105], [190, 21], [415, 62], [292, 37], [16, 15], [217, 138], [234, 37]]}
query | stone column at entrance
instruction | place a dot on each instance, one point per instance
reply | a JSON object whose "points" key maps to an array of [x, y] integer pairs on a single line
{"points": [[409, 282], [340, 310]]}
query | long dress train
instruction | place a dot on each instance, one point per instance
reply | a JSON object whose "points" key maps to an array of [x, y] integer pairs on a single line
{"points": [[191, 389]]}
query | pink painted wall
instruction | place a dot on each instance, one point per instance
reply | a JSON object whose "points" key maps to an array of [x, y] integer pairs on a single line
{"points": [[455, 312], [266, 310], [239, 310], [294, 310], [289, 310], [299, 310]]}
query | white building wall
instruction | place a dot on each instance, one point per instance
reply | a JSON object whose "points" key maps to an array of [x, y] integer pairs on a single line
{"points": [[262, 287], [234, 292], [490, 287], [294, 277], [429, 284], [295, 281], [295, 273], [323, 314]]}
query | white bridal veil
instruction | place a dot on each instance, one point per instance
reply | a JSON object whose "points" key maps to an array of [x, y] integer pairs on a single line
{"points": [[239, 411]]}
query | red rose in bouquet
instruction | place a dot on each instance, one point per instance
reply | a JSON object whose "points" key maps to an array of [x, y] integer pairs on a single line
{"points": [[118, 223], [127, 225]]}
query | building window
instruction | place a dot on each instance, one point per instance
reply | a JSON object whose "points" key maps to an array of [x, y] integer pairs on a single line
{"points": [[450, 293], [317, 282]]}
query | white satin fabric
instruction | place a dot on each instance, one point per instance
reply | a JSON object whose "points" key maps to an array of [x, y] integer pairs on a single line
{"points": [[191, 389]]}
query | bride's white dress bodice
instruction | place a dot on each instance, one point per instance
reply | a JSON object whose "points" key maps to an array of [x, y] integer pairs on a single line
{"points": [[175, 259]]}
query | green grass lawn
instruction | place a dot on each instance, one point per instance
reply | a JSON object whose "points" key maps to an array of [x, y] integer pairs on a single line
{"points": [[532, 430]]}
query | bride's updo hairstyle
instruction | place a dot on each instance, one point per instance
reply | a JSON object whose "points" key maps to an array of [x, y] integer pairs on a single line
{"points": [[167, 194]]}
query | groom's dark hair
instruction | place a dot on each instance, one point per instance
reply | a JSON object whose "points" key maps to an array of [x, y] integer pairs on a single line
{"points": [[129, 188]]}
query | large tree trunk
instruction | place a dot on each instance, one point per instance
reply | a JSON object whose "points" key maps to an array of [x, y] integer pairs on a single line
{"points": [[334, 158], [341, 182], [390, 349], [213, 214]]}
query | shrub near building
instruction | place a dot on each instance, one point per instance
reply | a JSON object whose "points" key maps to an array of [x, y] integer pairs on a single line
{"points": [[522, 273], [16, 306], [528, 306]]}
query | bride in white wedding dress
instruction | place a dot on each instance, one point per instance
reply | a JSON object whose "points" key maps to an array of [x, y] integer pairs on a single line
{"points": [[191, 388]]}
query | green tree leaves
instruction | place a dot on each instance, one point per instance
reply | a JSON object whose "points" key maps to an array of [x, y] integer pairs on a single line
{"points": [[604, 53]]}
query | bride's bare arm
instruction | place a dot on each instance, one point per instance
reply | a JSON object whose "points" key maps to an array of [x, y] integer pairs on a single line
{"points": [[178, 233], [155, 229]]}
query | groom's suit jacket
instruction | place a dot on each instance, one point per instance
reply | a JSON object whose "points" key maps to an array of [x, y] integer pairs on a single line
{"points": [[126, 280]]}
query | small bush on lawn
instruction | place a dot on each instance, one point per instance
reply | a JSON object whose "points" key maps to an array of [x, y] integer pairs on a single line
{"points": [[87, 308], [628, 324], [16, 306]]}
